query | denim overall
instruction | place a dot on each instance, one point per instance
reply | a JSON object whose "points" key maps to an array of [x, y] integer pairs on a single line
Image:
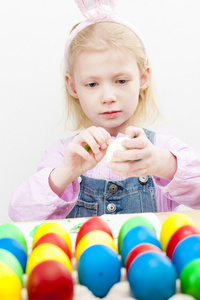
{"points": [[131, 195]]}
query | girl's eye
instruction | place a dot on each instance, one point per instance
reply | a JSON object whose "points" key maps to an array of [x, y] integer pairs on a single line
{"points": [[121, 81], [92, 84]]}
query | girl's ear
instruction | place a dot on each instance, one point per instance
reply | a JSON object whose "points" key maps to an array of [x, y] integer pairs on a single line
{"points": [[71, 86], [145, 79]]}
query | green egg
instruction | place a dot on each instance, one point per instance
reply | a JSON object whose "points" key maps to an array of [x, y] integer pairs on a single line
{"points": [[190, 279], [129, 224], [8, 230]]}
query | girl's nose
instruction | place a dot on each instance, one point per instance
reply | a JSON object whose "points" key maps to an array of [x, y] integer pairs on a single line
{"points": [[108, 96]]}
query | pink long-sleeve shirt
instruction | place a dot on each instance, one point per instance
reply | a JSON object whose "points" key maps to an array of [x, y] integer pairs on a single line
{"points": [[34, 199]]}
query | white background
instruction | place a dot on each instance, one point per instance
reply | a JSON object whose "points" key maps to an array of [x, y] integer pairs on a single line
{"points": [[32, 39]]}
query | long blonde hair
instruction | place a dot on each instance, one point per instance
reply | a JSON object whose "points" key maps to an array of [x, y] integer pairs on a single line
{"points": [[108, 35]]}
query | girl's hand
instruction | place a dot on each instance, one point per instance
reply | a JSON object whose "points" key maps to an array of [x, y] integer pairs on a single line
{"points": [[78, 159], [142, 158]]}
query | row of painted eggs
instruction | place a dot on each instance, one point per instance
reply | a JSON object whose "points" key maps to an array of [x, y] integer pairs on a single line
{"points": [[180, 238], [13, 258], [49, 267], [99, 260]]}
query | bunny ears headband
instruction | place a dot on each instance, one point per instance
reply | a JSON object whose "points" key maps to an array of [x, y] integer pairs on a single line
{"points": [[98, 11]]}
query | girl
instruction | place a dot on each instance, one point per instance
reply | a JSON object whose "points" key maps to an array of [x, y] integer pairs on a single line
{"points": [[110, 94]]}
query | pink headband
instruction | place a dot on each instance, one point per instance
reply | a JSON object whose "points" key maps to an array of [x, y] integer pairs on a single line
{"points": [[98, 11]]}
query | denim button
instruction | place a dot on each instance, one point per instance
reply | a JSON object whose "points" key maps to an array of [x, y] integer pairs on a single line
{"points": [[143, 180], [79, 179], [111, 207], [113, 188]]}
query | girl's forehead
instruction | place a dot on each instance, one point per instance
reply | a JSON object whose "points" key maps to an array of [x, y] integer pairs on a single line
{"points": [[96, 62], [95, 56]]}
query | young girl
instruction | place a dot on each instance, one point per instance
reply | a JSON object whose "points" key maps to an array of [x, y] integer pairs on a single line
{"points": [[110, 95]]}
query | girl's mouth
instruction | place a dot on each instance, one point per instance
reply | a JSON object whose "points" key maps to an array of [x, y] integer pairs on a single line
{"points": [[111, 114]]}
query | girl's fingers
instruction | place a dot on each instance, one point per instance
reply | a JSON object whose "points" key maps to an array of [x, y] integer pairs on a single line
{"points": [[101, 136], [94, 138], [77, 149], [132, 131], [130, 155], [132, 169], [136, 143], [126, 166]]}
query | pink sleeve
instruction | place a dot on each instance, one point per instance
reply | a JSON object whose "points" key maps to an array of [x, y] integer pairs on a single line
{"points": [[34, 199], [184, 188]]}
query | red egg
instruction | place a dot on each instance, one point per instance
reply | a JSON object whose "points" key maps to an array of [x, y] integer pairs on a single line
{"points": [[55, 239], [94, 223], [140, 249], [50, 280], [180, 234]]}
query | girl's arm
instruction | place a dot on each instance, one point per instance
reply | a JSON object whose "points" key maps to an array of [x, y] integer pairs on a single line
{"points": [[77, 159], [35, 200], [142, 158], [184, 188], [52, 191], [175, 167]]}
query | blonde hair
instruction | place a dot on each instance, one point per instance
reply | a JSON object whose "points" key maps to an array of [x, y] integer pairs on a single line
{"points": [[108, 35]]}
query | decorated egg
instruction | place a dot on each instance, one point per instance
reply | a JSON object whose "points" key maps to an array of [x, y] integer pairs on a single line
{"points": [[99, 268], [137, 235], [139, 250], [186, 251], [10, 284], [94, 223], [45, 252], [10, 260], [129, 224], [16, 248], [170, 225], [94, 237], [152, 276], [55, 239], [190, 279], [8, 230], [180, 234], [50, 279], [52, 227]]}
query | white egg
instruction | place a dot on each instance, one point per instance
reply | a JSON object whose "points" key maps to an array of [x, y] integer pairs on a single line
{"points": [[115, 145]]}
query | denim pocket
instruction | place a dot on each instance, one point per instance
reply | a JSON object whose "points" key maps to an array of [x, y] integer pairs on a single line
{"points": [[84, 209]]}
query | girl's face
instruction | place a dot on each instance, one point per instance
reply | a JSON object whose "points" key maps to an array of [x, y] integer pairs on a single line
{"points": [[107, 84]]}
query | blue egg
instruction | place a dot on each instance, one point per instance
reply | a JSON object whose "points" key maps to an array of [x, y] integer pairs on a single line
{"points": [[16, 248], [99, 268], [136, 236], [152, 276], [186, 251]]}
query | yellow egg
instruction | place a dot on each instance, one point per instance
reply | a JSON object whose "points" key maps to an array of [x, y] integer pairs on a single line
{"points": [[170, 225], [45, 252], [52, 227], [10, 285], [92, 238]]}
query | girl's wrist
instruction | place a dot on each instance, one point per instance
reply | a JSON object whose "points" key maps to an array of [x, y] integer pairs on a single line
{"points": [[168, 165], [59, 179]]}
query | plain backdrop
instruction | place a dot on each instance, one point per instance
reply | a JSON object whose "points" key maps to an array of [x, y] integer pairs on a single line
{"points": [[32, 40]]}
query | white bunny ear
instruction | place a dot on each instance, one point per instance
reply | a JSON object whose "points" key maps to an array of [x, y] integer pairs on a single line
{"points": [[97, 10]]}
